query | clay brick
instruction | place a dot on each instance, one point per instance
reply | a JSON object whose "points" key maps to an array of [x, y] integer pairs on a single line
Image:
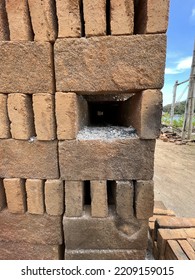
{"points": [[27, 251], [71, 114], [122, 17], [143, 111], [35, 196], [74, 198], [187, 248], [124, 199], [33, 229], [152, 16], [44, 107], [174, 252], [105, 254], [99, 200], [144, 199], [159, 205], [54, 197], [44, 21], [191, 242], [15, 195], [33, 67], [2, 195], [68, 13], [175, 222], [100, 233], [94, 17], [110, 63], [28, 159], [19, 20], [168, 234], [4, 28], [20, 113], [161, 212], [4, 120], [102, 159]]}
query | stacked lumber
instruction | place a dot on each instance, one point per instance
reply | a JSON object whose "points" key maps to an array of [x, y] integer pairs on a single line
{"points": [[173, 237], [80, 111]]}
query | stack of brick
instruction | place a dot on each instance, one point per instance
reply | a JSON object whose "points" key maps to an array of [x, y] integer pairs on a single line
{"points": [[173, 238], [80, 108]]}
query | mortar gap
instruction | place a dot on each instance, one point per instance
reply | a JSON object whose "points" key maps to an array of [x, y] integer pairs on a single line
{"points": [[82, 19], [108, 17], [111, 193], [134, 197], [87, 193]]}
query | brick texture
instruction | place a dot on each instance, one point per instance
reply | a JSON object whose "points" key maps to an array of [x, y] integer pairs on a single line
{"points": [[110, 63], [32, 160], [100, 233], [99, 199], [152, 16], [122, 17], [21, 116], [144, 199], [124, 199], [35, 196], [15, 195], [2, 196], [44, 21], [44, 115], [105, 254], [19, 20], [27, 251], [4, 30], [33, 67], [143, 112], [71, 114], [4, 120], [54, 197], [102, 159], [74, 198], [69, 24], [28, 228], [94, 17]]}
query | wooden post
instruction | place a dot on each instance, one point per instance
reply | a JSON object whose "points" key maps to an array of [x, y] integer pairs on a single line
{"points": [[173, 102]]}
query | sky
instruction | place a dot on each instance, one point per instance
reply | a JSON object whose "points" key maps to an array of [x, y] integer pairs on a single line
{"points": [[180, 44]]}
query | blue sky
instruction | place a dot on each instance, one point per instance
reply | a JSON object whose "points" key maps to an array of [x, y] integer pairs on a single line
{"points": [[180, 43]]}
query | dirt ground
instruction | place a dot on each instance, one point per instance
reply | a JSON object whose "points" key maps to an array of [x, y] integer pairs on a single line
{"points": [[174, 177]]}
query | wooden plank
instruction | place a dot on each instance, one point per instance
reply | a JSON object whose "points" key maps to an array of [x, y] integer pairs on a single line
{"points": [[187, 248], [173, 251]]}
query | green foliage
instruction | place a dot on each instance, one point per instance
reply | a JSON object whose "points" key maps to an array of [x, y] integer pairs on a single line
{"points": [[179, 108], [166, 119]]}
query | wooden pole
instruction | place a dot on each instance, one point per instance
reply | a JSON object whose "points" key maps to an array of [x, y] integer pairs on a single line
{"points": [[189, 108], [173, 102], [191, 96]]}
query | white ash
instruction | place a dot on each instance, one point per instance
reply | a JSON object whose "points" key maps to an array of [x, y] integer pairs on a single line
{"points": [[106, 132]]}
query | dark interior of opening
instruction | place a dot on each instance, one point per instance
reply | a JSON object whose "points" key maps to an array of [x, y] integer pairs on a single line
{"points": [[87, 195], [111, 194], [104, 113]]}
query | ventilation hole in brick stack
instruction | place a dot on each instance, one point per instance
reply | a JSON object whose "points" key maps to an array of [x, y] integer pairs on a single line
{"points": [[87, 195], [82, 19], [108, 27], [111, 194], [103, 113], [134, 197]]}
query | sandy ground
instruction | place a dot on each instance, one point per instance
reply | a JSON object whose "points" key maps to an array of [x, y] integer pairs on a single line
{"points": [[174, 177]]}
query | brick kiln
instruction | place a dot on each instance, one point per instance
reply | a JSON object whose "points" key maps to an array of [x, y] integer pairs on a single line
{"points": [[80, 108]]}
